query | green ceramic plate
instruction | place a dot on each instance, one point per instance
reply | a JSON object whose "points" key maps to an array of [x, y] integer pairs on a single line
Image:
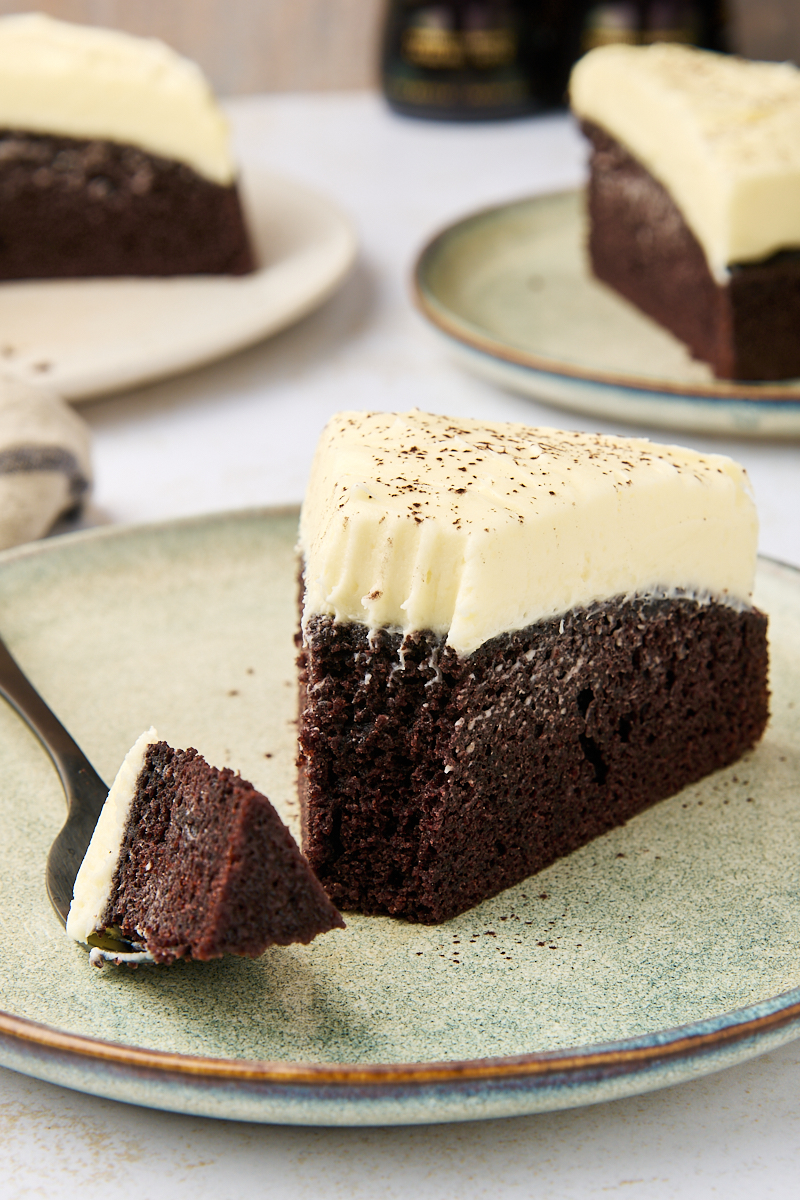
{"points": [[661, 951], [510, 291]]}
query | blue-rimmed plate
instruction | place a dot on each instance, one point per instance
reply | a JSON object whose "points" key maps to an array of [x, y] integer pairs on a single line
{"points": [[510, 292], [661, 951]]}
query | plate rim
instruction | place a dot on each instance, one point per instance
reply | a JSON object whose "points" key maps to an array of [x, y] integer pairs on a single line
{"points": [[570, 1064], [566, 1066], [443, 318]]}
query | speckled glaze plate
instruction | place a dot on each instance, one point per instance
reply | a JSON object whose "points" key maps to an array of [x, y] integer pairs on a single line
{"points": [[661, 951], [510, 292], [87, 337]]}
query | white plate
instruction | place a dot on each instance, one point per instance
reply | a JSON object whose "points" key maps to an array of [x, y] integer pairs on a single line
{"points": [[510, 291], [87, 337]]}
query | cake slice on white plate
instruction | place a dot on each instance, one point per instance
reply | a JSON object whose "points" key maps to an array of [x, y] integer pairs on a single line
{"points": [[114, 158]]}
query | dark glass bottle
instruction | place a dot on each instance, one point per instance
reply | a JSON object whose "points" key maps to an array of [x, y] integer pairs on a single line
{"points": [[481, 59], [457, 59], [641, 22]]}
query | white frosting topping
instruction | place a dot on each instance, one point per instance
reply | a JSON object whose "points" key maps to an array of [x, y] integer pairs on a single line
{"points": [[472, 529], [721, 133], [83, 82], [93, 883]]}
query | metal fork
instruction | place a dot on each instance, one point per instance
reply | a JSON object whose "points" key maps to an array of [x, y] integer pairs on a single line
{"points": [[84, 790]]}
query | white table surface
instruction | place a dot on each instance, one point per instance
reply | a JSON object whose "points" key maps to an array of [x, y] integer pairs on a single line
{"points": [[241, 433]]}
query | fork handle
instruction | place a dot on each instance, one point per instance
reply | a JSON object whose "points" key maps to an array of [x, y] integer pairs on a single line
{"points": [[83, 787]]}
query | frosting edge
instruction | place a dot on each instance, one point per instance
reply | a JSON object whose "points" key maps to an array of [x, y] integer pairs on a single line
{"points": [[88, 82], [94, 880], [651, 519]]}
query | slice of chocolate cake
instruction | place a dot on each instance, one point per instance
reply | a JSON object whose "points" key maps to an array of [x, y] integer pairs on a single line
{"points": [[694, 198], [513, 639], [188, 861], [114, 158]]}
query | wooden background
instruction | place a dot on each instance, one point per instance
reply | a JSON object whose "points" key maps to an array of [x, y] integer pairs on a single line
{"points": [[320, 45], [248, 45]]}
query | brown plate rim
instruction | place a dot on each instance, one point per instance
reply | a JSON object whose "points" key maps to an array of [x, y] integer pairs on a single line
{"points": [[711, 1034]]}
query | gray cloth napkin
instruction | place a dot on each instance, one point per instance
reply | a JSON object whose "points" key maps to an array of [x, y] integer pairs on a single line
{"points": [[45, 464]]}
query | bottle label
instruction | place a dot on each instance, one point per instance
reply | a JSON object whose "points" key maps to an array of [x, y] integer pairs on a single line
{"points": [[667, 21], [442, 94], [454, 50]]}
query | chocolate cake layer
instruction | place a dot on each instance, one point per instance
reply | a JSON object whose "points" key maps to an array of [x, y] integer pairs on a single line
{"points": [[72, 208], [208, 868], [431, 781], [640, 244]]}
